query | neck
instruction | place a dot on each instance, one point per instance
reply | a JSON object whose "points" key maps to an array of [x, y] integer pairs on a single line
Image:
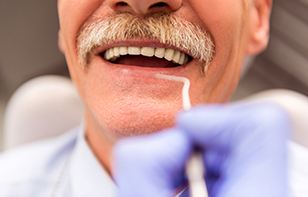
{"points": [[100, 143]]}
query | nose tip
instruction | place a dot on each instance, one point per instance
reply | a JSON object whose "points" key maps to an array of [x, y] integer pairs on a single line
{"points": [[144, 7]]}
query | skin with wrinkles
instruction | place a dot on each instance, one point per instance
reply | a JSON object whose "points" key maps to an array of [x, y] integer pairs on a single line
{"points": [[123, 100]]}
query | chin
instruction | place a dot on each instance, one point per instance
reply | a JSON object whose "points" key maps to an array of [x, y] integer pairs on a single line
{"points": [[139, 127], [141, 120]]}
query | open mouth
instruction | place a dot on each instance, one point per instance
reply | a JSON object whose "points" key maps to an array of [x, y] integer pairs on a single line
{"points": [[146, 56]]}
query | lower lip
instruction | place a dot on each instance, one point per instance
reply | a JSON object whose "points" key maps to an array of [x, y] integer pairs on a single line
{"points": [[144, 72], [135, 82]]}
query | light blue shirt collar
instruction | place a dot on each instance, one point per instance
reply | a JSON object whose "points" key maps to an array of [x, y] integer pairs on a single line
{"points": [[86, 175]]}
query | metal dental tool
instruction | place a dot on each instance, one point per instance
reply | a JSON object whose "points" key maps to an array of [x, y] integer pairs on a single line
{"points": [[194, 167]]}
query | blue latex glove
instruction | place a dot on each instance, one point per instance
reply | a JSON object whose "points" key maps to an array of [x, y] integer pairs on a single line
{"points": [[244, 150]]}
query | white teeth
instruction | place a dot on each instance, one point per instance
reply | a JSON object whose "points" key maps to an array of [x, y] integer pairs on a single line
{"points": [[182, 58], [109, 54], [113, 59], [106, 55], [123, 50], [160, 52], [116, 51], [176, 57], [186, 59], [147, 51], [134, 50], [169, 54]]}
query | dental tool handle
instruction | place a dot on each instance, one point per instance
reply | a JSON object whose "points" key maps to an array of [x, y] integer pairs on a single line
{"points": [[195, 172], [195, 169], [185, 91]]}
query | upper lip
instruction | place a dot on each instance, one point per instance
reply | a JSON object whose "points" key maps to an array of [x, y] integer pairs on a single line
{"points": [[137, 43]]}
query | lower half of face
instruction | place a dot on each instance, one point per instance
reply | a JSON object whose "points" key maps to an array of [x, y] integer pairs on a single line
{"points": [[130, 100], [123, 96]]}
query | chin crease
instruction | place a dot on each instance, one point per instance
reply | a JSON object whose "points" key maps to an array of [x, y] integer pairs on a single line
{"points": [[127, 130]]}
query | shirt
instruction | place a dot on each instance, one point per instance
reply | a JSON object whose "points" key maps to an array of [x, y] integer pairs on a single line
{"points": [[61, 167], [298, 170], [65, 166]]}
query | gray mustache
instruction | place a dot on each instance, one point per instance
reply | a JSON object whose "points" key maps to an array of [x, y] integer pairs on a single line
{"points": [[161, 27]]}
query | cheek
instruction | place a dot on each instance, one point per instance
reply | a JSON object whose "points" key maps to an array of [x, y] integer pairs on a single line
{"points": [[224, 19], [78, 10], [72, 15]]}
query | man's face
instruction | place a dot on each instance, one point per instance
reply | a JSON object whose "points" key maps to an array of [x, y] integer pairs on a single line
{"points": [[122, 96]]}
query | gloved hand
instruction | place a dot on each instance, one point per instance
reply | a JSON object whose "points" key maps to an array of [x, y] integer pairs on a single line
{"points": [[243, 147]]}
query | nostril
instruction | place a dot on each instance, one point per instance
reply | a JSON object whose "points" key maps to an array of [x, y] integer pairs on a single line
{"points": [[144, 7], [160, 4], [121, 4]]}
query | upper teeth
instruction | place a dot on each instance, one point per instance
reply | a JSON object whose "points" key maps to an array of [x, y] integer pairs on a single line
{"points": [[176, 57]]}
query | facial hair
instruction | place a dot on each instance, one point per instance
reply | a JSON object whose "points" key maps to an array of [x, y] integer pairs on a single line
{"points": [[164, 28]]}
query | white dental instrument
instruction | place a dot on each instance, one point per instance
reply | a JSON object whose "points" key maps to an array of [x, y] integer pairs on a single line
{"points": [[194, 167]]}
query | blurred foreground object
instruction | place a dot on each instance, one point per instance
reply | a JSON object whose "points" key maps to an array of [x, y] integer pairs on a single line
{"points": [[42, 107], [296, 105], [244, 149]]}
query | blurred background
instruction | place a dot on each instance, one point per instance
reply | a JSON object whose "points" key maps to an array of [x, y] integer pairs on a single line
{"points": [[28, 48]]}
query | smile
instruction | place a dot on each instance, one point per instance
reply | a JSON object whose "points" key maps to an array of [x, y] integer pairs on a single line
{"points": [[133, 55]]}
